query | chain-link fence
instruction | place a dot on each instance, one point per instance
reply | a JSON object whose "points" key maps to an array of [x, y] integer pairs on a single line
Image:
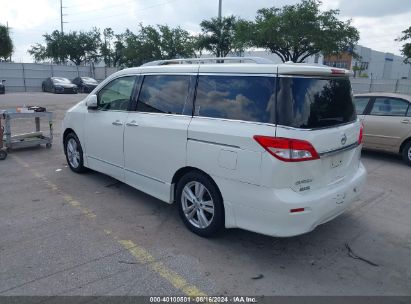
{"points": [[366, 85], [28, 77]]}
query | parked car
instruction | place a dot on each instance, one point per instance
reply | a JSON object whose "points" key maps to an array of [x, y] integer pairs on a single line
{"points": [[273, 149], [2, 87], [58, 85], [387, 122], [85, 84]]}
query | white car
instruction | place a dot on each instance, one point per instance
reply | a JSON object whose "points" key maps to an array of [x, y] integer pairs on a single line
{"points": [[273, 149]]}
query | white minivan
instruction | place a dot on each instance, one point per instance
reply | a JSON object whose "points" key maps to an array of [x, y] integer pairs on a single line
{"points": [[273, 149]]}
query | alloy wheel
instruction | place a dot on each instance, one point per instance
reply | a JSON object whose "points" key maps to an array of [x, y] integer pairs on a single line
{"points": [[198, 205], [73, 153]]}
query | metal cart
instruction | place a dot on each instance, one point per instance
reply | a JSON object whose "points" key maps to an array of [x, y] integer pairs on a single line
{"points": [[9, 141]]}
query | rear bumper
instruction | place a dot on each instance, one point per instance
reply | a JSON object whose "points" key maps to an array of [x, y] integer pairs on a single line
{"points": [[267, 210]]}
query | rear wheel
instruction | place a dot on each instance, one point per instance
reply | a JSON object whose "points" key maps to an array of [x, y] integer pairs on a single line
{"points": [[74, 153], [406, 153], [200, 204]]}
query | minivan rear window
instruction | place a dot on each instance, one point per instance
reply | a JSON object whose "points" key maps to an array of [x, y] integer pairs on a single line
{"points": [[309, 103]]}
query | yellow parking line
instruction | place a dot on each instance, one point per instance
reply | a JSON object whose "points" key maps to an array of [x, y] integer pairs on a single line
{"points": [[140, 253], [144, 257]]}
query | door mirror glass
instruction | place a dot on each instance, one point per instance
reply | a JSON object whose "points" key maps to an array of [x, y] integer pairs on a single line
{"points": [[91, 102]]}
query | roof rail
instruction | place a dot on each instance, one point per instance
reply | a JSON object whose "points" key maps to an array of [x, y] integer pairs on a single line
{"points": [[258, 60]]}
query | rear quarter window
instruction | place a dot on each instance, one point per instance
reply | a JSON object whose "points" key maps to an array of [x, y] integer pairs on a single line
{"points": [[249, 98], [305, 102]]}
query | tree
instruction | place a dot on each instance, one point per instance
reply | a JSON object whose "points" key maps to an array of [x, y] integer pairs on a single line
{"points": [[6, 44], [106, 47], [406, 48], [220, 36], [175, 42], [154, 43], [75, 46], [295, 32]]}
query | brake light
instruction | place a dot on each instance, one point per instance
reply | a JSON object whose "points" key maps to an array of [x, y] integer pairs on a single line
{"points": [[337, 72], [287, 149], [361, 134], [297, 210]]}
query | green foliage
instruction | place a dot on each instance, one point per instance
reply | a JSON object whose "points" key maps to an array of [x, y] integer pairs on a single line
{"points": [[126, 49], [406, 48], [295, 32], [106, 49], [75, 46], [154, 43], [220, 37], [6, 44]]}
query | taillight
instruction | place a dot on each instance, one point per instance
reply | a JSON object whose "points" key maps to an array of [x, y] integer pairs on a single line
{"points": [[361, 134], [287, 149]]}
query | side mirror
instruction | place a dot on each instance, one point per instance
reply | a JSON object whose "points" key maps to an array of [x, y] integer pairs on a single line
{"points": [[3, 81], [91, 102]]}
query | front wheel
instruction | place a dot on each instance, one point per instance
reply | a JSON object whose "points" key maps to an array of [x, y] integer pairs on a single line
{"points": [[3, 154], [74, 153], [406, 153], [200, 204]]}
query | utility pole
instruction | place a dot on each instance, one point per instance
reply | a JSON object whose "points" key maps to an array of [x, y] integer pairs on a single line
{"points": [[220, 6], [61, 16], [8, 33]]}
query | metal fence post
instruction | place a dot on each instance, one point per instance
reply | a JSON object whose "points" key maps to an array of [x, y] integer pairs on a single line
{"points": [[24, 77], [370, 89], [396, 86]]}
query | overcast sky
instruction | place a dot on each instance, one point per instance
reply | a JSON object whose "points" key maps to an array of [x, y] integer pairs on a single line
{"points": [[379, 21]]}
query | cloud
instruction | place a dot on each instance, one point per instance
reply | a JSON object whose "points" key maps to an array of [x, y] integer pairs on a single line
{"points": [[22, 14], [374, 8]]}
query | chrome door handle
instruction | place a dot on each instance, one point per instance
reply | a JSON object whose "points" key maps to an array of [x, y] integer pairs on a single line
{"points": [[405, 121], [117, 123], [132, 123]]}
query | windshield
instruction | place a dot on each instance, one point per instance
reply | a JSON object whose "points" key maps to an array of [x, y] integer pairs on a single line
{"points": [[314, 103], [89, 80], [60, 80]]}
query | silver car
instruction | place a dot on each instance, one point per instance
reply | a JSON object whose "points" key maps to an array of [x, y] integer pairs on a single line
{"points": [[387, 122]]}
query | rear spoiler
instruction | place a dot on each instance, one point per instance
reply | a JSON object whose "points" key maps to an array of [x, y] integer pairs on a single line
{"points": [[312, 70]]}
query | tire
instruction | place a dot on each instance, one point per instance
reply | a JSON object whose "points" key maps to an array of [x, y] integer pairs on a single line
{"points": [[3, 154], [406, 153], [74, 153], [190, 197]]}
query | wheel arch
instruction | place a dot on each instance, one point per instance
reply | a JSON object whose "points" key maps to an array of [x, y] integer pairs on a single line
{"points": [[182, 171], [67, 132], [404, 143]]}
